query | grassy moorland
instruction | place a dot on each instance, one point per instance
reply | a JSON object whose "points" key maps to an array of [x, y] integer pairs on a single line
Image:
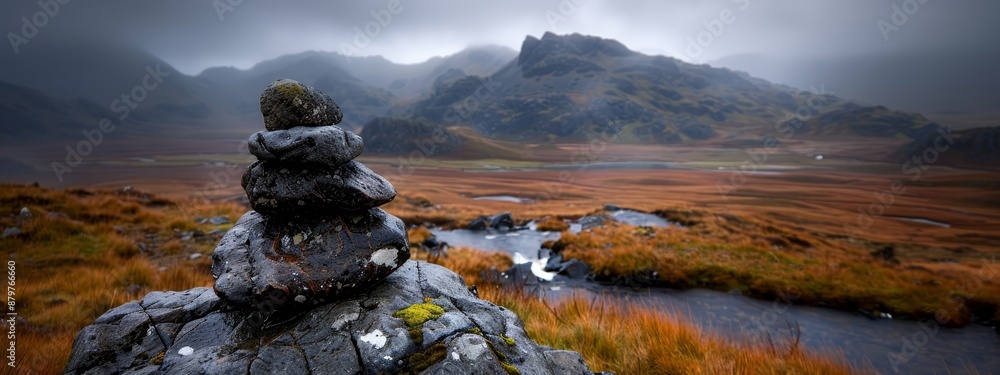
{"points": [[632, 339], [83, 252], [778, 264]]}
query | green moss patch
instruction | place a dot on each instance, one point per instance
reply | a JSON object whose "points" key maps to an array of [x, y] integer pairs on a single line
{"points": [[158, 360], [422, 360], [507, 340], [416, 315]]}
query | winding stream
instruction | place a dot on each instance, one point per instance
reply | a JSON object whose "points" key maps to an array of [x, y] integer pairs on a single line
{"points": [[889, 346]]}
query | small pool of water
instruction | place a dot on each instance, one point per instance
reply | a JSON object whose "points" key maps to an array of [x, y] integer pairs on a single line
{"points": [[504, 198], [923, 221], [639, 219], [525, 242], [631, 217]]}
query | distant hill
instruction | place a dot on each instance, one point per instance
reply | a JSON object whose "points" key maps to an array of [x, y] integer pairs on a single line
{"points": [[364, 87], [100, 74], [853, 119], [576, 87], [29, 114], [241, 89], [557, 88], [978, 147], [906, 80], [385, 135]]}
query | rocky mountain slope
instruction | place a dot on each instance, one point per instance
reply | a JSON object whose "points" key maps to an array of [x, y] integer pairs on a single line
{"points": [[579, 87], [403, 136], [557, 88], [976, 147]]}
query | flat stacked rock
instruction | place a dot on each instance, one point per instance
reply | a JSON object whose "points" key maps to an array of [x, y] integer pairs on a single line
{"points": [[315, 280], [316, 232]]}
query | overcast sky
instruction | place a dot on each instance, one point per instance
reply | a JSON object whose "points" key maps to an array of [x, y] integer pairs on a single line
{"points": [[195, 34]]}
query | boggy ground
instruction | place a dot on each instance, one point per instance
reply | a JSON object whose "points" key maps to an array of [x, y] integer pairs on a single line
{"points": [[790, 226], [775, 235], [85, 251]]}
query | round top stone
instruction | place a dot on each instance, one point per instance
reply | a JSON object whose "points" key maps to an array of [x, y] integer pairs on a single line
{"points": [[286, 104]]}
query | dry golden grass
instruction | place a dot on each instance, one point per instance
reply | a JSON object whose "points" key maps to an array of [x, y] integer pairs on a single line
{"points": [[78, 257], [74, 268], [632, 339], [553, 224], [636, 340], [756, 265]]}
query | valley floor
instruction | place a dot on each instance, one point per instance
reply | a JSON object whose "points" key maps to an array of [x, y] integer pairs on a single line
{"points": [[816, 228]]}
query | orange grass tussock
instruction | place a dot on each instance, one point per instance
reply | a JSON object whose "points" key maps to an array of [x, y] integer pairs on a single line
{"points": [[84, 252]]}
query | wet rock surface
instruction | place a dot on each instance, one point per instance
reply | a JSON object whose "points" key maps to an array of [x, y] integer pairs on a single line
{"points": [[327, 145], [306, 262], [378, 331], [303, 190], [501, 221], [286, 103]]}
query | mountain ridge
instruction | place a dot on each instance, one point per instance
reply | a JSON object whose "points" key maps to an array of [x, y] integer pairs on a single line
{"points": [[557, 88]]}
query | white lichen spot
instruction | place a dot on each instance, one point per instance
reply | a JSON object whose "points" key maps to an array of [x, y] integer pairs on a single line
{"points": [[344, 319], [187, 350], [387, 358], [339, 285], [455, 356], [302, 202], [472, 347], [356, 219], [376, 338], [300, 298], [385, 257], [297, 239]]}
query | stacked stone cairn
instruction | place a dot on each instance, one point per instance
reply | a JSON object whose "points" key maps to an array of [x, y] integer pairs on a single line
{"points": [[316, 231], [315, 280]]}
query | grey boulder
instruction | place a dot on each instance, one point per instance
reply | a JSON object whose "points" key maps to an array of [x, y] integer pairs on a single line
{"points": [[593, 221], [289, 190], [327, 145], [132, 335], [293, 264], [286, 103], [370, 333]]}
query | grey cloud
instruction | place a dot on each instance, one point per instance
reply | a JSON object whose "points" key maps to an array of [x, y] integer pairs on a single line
{"points": [[190, 35]]}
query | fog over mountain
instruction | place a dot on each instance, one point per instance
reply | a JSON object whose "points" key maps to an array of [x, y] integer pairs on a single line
{"points": [[906, 42]]}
